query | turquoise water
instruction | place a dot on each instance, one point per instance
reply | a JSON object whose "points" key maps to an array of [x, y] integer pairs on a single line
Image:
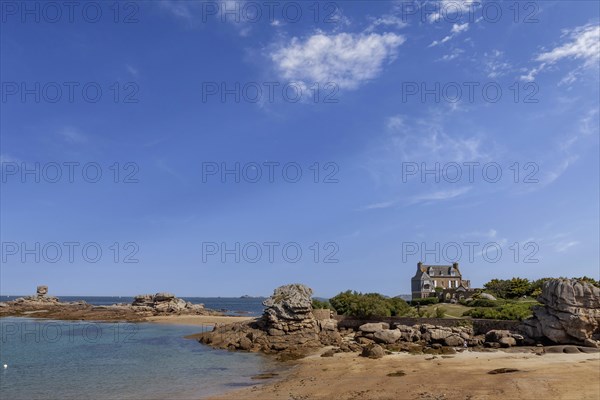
{"points": [[83, 360]]}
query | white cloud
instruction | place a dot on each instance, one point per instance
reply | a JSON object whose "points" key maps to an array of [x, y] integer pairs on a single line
{"points": [[420, 139], [233, 12], [133, 71], [428, 197], [583, 44], [387, 20], [564, 246], [455, 53], [72, 135], [344, 58], [494, 64], [450, 8], [5, 158], [456, 30], [440, 195], [380, 205]]}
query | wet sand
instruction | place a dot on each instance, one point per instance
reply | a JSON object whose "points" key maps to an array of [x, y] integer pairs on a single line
{"points": [[463, 376]]}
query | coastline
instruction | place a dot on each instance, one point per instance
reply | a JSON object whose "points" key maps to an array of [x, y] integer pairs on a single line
{"points": [[463, 376], [191, 320], [197, 320]]}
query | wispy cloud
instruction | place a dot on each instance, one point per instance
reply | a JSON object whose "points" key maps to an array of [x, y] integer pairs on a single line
{"points": [[423, 139], [582, 43], [132, 70], [5, 158], [561, 247], [439, 195], [428, 197], [345, 59], [567, 151], [380, 205], [163, 166], [495, 65], [72, 135], [386, 21], [191, 13], [456, 30]]}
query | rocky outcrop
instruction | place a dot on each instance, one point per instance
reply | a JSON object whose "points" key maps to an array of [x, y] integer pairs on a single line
{"points": [[165, 303], [424, 334], [43, 306], [40, 298], [286, 327], [570, 314], [289, 310]]}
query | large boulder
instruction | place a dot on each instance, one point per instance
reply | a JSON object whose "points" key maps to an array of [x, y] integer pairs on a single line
{"points": [[570, 313], [42, 290], [487, 296], [287, 327], [373, 351], [373, 327], [290, 303], [388, 336]]}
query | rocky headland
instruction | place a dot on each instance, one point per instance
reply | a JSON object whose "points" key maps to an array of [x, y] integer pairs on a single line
{"points": [[289, 328], [41, 305]]}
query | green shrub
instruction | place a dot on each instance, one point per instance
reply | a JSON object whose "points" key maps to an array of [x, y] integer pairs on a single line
{"points": [[425, 301], [509, 311], [341, 302], [398, 307], [483, 303], [321, 305], [368, 305], [440, 312]]}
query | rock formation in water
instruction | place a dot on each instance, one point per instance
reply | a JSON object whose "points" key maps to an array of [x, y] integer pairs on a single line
{"points": [[42, 305], [165, 303], [287, 326], [570, 314], [40, 298]]}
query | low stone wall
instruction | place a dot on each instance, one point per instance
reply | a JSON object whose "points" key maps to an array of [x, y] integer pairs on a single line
{"points": [[480, 326], [322, 314]]}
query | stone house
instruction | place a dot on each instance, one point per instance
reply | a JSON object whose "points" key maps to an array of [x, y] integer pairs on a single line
{"points": [[447, 278]]}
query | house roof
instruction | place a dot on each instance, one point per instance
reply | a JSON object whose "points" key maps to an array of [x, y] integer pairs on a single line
{"points": [[439, 270]]}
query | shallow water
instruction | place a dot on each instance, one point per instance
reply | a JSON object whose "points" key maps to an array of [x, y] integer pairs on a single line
{"points": [[78, 360], [251, 306]]}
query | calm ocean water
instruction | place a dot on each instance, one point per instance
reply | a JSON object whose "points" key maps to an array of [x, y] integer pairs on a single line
{"points": [[82, 360], [251, 306]]}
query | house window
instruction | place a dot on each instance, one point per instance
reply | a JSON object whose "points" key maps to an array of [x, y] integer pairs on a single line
{"points": [[434, 283]]}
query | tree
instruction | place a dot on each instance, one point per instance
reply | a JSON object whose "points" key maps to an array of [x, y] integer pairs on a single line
{"points": [[499, 287], [518, 287], [342, 301], [370, 305]]}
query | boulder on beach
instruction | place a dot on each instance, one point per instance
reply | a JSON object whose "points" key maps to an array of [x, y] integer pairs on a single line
{"points": [[287, 327], [570, 314]]}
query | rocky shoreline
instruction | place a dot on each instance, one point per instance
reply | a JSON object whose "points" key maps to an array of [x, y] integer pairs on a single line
{"points": [[288, 328], [41, 305]]}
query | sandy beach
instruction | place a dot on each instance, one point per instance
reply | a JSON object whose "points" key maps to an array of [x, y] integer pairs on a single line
{"points": [[463, 376]]}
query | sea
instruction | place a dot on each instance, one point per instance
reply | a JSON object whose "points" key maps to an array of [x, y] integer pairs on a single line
{"points": [[47, 359]]}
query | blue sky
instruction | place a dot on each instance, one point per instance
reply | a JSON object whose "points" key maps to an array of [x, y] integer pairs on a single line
{"points": [[367, 119]]}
